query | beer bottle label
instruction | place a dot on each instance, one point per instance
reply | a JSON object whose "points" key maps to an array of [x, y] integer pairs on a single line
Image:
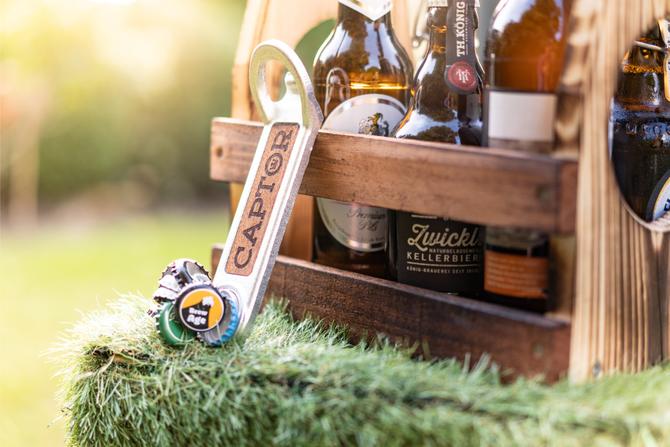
{"points": [[439, 254], [516, 263], [521, 118], [359, 227], [659, 204], [461, 76], [516, 276], [372, 9]]}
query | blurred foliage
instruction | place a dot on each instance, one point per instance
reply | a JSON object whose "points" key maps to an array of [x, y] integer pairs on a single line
{"points": [[64, 270], [130, 87]]}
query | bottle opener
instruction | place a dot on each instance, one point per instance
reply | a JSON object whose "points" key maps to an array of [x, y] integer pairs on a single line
{"points": [[215, 311]]}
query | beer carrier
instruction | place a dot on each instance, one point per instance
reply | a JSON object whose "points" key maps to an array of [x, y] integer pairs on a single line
{"points": [[611, 286]]}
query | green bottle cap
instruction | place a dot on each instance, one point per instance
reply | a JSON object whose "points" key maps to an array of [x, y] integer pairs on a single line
{"points": [[171, 331]]}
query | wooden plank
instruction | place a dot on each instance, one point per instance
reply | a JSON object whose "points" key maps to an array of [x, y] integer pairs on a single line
{"points": [[621, 290], [443, 325], [481, 185]]}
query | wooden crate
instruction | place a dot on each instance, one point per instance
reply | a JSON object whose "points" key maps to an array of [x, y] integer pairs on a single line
{"points": [[619, 319], [438, 324], [510, 188]]}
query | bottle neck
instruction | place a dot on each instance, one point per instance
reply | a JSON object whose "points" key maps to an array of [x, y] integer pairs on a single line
{"points": [[461, 23], [437, 29], [451, 64], [642, 78]]}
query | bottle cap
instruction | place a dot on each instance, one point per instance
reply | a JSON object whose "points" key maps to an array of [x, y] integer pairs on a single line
{"points": [[200, 308], [169, 328], [664, 25], [226, 328]]}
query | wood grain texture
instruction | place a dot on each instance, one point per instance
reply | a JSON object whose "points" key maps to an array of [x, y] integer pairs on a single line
{"points": [[480, 185], [443, 325], [621, 317]]}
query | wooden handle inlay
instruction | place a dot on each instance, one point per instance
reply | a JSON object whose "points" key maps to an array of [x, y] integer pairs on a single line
{"points": [[261, 201]]}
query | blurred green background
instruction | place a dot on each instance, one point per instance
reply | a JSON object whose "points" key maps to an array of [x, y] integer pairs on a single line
{"points": [[105, 109], [104, 169]]}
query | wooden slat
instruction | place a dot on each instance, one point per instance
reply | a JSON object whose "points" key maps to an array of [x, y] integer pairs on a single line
{"points": [[620, 319], [479, 185], [444, 326]]}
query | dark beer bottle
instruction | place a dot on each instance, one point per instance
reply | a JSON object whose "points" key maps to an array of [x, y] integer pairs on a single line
{"points": [[524, 61], [640, 124], [362, 79], [434, 252]]}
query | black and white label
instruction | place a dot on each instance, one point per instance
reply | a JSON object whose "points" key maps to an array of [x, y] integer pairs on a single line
{"points": [[359, 227], [439, 254], [372, 9]]}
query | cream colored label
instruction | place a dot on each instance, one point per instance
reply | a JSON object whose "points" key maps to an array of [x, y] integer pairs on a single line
{"points": [[372, 9], [521, 116]]}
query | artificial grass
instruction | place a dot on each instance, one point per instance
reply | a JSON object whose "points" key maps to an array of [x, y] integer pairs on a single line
{"points": [[302, 384]]}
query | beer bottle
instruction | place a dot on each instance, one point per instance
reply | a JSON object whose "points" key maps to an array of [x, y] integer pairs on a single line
{"points": [[524, 61], [434, 252], [640, 124], [362, 79]]}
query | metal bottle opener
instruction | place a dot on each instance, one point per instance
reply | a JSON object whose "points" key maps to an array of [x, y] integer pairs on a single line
{"points": [[217, 310]]}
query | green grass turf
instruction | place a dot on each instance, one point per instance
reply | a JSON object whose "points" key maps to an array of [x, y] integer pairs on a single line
{"points": [[301, 384], [51, 275]]}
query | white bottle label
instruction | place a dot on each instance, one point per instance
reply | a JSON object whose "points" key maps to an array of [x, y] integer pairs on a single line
{"points": [[372, 9], [521, 116], [359, 227]]}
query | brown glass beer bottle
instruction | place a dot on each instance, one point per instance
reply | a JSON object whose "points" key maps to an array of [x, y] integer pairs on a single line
{"points": [[428, 251], [362, 79], [640, 124], [524, 61]]}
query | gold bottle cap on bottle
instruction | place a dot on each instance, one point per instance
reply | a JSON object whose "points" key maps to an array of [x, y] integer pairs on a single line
{"points": [[664, 25]]}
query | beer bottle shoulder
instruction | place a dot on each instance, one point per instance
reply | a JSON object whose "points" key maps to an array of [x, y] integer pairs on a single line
{"points": [[526, 45], [365, 47], [539, 17]]}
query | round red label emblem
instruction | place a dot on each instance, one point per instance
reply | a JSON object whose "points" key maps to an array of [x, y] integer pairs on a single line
{"points": [[463, 76]]}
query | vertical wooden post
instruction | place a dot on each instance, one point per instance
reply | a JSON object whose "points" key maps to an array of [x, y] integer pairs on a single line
{"points": [[621, 318]]}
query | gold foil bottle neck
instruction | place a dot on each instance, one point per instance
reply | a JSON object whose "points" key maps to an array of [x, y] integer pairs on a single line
{"points": [[664, 25]]}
